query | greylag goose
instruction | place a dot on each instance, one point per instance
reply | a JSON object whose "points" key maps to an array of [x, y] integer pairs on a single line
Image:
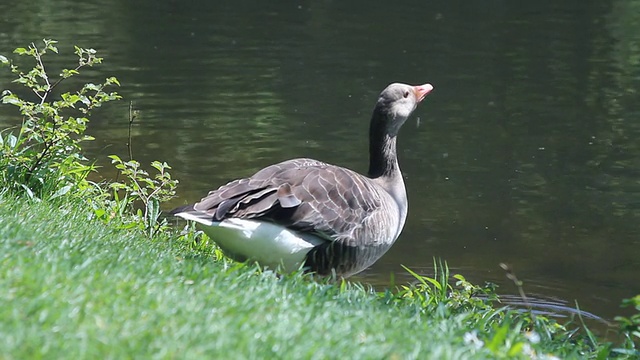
{"points": [[304, 213]]}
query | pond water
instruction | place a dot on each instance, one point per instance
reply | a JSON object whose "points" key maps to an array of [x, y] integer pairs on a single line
{"points": [[526, 153]]}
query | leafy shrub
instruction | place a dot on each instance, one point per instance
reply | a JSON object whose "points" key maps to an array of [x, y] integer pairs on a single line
{"points": [[139, 188], [43, 156], [437, 291], [630, 328]]}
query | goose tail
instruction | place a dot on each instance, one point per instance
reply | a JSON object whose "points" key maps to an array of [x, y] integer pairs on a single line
{"points": [[188, 212]]}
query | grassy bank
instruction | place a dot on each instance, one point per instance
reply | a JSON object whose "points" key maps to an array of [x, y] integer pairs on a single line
{"points": [[72, 287]]}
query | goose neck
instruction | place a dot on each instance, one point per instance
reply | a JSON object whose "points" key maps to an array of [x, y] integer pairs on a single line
{"points": [[383, 160]]}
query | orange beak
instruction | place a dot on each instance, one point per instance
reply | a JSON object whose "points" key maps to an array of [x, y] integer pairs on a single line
{"points": [[422, 91]]}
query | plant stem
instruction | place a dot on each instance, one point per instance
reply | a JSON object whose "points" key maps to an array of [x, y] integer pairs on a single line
{"points": [[43, 97], [131, 118], [511, 275]]}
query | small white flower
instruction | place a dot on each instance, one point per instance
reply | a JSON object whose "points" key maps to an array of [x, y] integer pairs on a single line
{"points": [[549, 357], [472, 338], [532, 336]]}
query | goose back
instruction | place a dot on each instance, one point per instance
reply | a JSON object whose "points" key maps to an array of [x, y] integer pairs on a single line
{"points": [[306, 195]]}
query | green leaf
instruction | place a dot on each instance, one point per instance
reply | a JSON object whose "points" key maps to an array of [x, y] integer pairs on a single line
{"points": [[100, 213], [117, 186], [12, 99], [29, 192], [62, 191], [418, 277], [4, 60], [498, 339], [115, 158], [157, 165], [70, 98], [153, 211], [21, 51], [12, 140], [515, 349], [112, 80], [92, 87], [67, 73]]}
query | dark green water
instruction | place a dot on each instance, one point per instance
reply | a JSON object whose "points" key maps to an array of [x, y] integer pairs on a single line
{"points": [[527, 152]]}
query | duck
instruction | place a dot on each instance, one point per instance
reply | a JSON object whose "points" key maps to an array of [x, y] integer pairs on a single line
{"points": [[305, 214]]}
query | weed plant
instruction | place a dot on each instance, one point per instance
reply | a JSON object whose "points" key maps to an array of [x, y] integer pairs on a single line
{"points": [[43, 157]]}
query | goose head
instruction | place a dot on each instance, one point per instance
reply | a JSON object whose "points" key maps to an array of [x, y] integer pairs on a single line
{"points": [[396, 102]]}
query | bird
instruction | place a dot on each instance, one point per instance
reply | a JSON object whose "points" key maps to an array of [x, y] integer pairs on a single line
{"points": [[305, 214]]}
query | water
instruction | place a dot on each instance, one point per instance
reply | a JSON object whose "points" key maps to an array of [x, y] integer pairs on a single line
{"points": [[526, 152]]}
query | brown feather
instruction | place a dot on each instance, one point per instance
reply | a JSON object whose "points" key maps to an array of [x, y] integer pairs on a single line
{"points": [[322, 198]]}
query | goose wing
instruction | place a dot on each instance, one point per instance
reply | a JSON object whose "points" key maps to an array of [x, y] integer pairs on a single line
{"points": [[301, 194]]}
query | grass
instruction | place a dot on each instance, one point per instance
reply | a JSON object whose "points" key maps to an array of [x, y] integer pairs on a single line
{"points": [[73, 287]]}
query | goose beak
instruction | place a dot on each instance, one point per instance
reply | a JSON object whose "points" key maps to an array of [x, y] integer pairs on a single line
{"points": [[422, 91]]}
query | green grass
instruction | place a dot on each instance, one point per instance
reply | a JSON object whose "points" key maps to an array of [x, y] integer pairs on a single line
{"points": [[72, 287]]}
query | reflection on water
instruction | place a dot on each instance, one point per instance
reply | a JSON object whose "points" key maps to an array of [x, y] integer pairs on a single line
{"points": [[525, 153]]}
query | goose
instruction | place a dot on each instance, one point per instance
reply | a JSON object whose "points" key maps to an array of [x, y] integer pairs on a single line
{"points": [[307, 214]]}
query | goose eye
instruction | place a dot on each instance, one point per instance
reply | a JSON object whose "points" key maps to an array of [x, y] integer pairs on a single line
{"points": [[406, 94]]}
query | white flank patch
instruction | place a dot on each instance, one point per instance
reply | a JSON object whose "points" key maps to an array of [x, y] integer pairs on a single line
{"points": [[269, 244]]}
